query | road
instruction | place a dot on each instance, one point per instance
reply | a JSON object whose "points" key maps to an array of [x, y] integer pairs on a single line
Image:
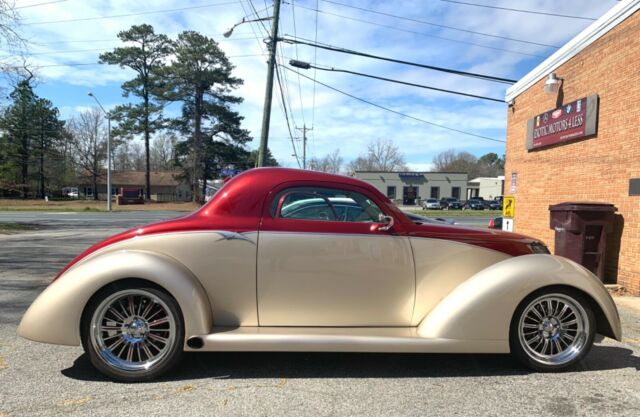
{"points": [[45, 380]]}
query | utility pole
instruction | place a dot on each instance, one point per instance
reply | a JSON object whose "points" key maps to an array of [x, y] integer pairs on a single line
{"points": [[304, 129], [266, 112]]}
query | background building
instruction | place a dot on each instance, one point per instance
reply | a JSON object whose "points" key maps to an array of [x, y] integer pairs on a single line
{"points": [[409, 188], [580, 139], [486, 187], [164, 186]]}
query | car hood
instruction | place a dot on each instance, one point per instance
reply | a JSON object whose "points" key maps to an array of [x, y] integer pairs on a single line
{"points": [[510, 243]]}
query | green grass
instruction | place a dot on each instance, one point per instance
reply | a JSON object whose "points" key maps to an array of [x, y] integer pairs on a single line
{"points": [[459, 213], [54, 209], [8, 228]]}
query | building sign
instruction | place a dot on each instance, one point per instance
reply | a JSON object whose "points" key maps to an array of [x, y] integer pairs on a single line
{"points": [[572, 121], [514, 182], [509, 207], [410, 175]]}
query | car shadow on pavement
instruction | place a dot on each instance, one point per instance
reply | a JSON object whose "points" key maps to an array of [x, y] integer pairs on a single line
{"points": [[248, 365]]}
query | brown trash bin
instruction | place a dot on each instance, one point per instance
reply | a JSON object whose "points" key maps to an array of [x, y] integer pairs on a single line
{"points": [[581, 232]]}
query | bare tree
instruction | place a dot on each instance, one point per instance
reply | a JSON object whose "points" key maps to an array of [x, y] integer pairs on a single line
{"points": [[137, 156], [163, 152], [12, 41], [489, 165], [331, 163], [89, 144], [381, 155]]}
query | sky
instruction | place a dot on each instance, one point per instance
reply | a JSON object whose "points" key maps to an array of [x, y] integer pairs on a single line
{"points": [[59, 39]]}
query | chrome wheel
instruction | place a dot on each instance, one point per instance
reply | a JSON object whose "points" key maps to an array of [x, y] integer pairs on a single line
{"points": [[132, 330], [553, 329]]}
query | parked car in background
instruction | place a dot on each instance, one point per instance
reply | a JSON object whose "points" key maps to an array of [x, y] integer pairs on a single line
{"points": [[418, 219], [476, 203], [495, 205], [431, 204], [451, 204], [495, 223]]}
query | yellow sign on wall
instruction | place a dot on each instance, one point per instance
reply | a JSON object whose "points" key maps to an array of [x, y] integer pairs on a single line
{"points": [[509, 206]]}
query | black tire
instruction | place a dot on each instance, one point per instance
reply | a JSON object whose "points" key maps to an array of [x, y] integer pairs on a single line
{"points": [[563, 359], [167, 358]]}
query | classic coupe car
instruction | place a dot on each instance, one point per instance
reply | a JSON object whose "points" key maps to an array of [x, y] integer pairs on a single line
{"points": [[254, 271]]}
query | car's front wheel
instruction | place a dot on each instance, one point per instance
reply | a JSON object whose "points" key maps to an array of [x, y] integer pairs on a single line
{"points": [[133, 332], [552, 330]]}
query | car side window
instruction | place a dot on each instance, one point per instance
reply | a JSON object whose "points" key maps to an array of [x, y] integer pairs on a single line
{"points": [[324, 204]]}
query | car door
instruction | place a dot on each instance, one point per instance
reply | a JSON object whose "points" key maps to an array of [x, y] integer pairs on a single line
{"points": [[319, 267]]}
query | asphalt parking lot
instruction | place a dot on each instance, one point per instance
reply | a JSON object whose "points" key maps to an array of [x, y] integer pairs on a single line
{"points": [[45, 380]]}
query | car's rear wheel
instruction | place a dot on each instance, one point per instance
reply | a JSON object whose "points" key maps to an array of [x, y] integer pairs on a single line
{"points": [[133, 332], [552, 330]]}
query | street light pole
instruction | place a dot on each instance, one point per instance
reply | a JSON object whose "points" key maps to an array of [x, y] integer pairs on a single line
{"points": [[271, 45], [108, 150]]}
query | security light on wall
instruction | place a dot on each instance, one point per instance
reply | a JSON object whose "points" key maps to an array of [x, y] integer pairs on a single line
{"points": [[552, 85]]}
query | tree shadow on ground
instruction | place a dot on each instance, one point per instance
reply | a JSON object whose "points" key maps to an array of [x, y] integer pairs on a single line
{"points": [[250, 365]]}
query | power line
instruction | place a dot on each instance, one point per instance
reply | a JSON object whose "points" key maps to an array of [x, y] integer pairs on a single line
{"points": [[520, 10], [399, 61], [84, 19], [39, 4], [73, 64], [293, 12], [313, 106], [119, 42], [368, 22], [438, 24], [295, 152], [399, 113], [407, 83]]}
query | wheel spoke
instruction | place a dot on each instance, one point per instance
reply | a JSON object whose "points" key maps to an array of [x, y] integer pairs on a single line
{"points": [[146, 350], [157, 338], [154, 314], [129, 352], [563, 312], [536, 313], [159, 322], [120, 318], [115, 344], [147, 310], [535, 339], [132, 309], [558, 347]]}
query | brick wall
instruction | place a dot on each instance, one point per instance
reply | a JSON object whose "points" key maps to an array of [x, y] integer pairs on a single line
{"points": [[595, 169]]}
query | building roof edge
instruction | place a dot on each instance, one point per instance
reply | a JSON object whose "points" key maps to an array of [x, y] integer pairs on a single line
{"points": [[590, 34]]}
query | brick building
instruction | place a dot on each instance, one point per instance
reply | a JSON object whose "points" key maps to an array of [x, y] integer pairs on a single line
{"points": [[592, 158]]}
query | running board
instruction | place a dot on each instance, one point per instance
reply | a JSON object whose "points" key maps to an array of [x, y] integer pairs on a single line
{"points": [[335, 339]]}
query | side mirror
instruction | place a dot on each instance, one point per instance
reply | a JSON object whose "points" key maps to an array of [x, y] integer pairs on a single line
{"points": [[387, 222]]}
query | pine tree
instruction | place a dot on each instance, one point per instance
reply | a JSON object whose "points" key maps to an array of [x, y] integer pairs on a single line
{"points": [[147, 59], [201, 78]]}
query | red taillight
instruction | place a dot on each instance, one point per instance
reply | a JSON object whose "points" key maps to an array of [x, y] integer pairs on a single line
{"points": [[492, 223]]}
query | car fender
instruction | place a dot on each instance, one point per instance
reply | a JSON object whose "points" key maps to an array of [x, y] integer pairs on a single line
{"points": [[481, 308], [54, 317]]}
